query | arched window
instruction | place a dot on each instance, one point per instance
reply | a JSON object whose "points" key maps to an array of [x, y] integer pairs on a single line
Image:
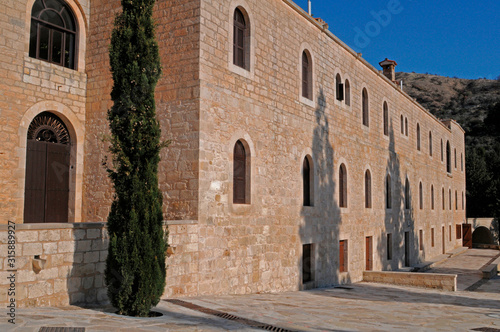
{"points": [[430, 143], [442, 197], [448, 157], [241, 175], [420, 196], [53, 34], [46, 198], [407, 195], [366, 114], [339, 87], [368, 190], [347, 89], [241, 40], [388, 192], [418, 137], [342, 186], [402, 125], [307, 182], [406, 126], [306, 76], [386, 119], [456, 200], [432, 197]]}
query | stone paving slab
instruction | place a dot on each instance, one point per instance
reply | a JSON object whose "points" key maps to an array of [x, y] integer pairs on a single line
{"points": [[361, 307]]}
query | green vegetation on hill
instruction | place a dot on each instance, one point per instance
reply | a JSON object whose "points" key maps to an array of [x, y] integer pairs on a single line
{"points": [[475, 105]]}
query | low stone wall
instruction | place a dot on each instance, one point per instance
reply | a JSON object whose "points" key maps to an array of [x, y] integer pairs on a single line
{"points": [[55, 264], [446, 282], [61, 264]]}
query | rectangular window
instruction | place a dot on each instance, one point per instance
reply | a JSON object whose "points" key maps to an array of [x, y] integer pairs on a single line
{"points": [[307, 263], [389, 246], [369, 253], [459, 231], [421, 239], [343, 256], [449, 229], [432, 237]]}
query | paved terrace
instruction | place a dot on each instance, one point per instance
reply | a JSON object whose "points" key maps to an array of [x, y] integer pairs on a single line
{"points": [[360, 307]]}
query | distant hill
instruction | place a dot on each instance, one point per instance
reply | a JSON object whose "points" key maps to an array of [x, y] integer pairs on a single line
{"points": [[466, 101], [475, 105]]}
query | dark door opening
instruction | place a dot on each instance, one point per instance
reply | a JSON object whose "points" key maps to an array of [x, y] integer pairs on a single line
{"points": [[369, 253], [407, 248], [307, 256]]}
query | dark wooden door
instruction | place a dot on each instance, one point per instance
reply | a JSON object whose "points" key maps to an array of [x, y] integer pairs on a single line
{"points": [[306, 263], [467, 235], [369, 253], [47, 182]]}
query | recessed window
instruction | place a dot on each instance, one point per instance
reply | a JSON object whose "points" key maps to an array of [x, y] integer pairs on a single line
{"points": [[388, 192], [432, 237], [347, 89], [442, 157], [339, 87], [343, 256], [448, 157], [420, 196], [449, 232], [402, 125], [455, 153], [306, 76], [463, 200], [449, 194], [342, 186], [389, 246], [432, 197], [307, 263], [241, 40], [386, 119], [458, 230], [421, 239], [442, 197], [418, 137], [307, 181], [406, 127], [241, 174], [462, 162], [369, 253], [368, 190], [407, 195], [53, 34], [456, 200], [366, 113]]}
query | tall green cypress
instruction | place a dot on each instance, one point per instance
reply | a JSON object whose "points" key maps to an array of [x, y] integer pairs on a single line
{"points": [[135, 267]]}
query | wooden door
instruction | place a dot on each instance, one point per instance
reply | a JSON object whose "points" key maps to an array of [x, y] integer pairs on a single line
{"points": [[47, 182], [369, 253], [467, 235]]}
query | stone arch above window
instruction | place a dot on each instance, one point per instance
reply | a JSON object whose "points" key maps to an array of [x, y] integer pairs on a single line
{"points": [[342, 186], [308, 181], [347, 89], [365, 108], [241, 38], [386, 119], [307, 77], [241, 173], [53, 33]]}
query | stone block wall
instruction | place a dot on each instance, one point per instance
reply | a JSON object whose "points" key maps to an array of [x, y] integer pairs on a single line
{"points": [[73, 273]]}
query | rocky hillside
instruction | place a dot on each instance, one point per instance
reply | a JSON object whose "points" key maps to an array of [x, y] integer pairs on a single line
{"points": [[466, 101]]}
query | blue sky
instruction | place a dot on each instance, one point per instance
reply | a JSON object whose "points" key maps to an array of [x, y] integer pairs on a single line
{"points": [[444, 37]]}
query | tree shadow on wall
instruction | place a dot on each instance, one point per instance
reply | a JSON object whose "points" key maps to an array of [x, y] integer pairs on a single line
{"points": [[320, 228], [402, 248]]}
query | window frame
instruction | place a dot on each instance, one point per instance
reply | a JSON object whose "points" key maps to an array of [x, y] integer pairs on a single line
{"points": [[365, 105]]}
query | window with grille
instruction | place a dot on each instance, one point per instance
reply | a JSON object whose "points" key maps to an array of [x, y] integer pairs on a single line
{"points": [[53, 35]]}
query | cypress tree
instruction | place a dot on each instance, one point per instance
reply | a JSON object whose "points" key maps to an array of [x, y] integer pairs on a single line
{"points": [[135, 267]]}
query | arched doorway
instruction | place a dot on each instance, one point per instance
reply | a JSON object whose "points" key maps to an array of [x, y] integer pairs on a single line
{"points": [[47, 170], [482, 235]]}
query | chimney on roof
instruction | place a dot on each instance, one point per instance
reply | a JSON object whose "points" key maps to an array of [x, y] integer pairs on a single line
{"points": [[389, 67], [309, 7]]}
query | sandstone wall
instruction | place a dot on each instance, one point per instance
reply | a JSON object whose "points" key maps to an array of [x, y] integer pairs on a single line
{"points": [[29, 87]]}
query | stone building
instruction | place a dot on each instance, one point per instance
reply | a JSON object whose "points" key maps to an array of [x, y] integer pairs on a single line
{"points": [[294, 163]]}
